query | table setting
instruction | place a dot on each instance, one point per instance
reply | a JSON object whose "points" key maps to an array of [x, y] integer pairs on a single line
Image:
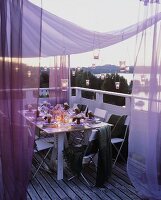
{"points": [[60, 117]]}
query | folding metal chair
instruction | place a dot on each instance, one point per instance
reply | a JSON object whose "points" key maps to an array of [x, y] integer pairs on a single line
{"points": [[41, 145], [115, 141], [100, 113], [86, 154]]}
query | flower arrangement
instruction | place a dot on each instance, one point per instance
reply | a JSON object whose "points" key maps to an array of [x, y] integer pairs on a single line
{"points": [[29, 107], [49, 116], [78, 118], [77, 111], [45, 107], [90, 115], [66, 106]]}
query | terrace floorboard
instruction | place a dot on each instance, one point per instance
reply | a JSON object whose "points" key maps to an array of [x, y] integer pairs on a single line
{"points": [[45, 186]]}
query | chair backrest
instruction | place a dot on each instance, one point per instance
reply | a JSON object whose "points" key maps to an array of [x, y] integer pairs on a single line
{"points": [[100, 113], [75, 105], [83, 107], [127, 123], [120, 125]]}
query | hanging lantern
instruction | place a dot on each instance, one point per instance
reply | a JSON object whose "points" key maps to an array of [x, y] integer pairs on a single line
{"points": [[122, 66], [143, 80], [64, 84], [96, 53], [16, 68], [29, 73], [45, 69], [93, 66], [78, 69], [57, 67], [87, 82], [102, 76], [73, 72], [117, 85], [127, 69]]}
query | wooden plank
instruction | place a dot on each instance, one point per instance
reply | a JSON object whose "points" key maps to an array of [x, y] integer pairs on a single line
{"points": [[77, 189], [86, 189], [54, 186], [46, 186], [114, 189], [123, 177], [28, 197], [109, 194], [125, 190], [40, 190], [122, 170], [32, 192], [61, 183], [65, 192], [130, 187]]}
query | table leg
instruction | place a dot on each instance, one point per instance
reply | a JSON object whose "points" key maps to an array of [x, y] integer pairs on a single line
{"points": [[60, 156]]}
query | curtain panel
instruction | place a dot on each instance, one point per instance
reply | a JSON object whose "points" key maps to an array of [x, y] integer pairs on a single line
{"points": [[59, 80], [61, 37], [144, 159], [18, 88]]}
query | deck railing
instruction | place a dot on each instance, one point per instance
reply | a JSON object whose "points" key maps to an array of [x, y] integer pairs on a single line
{"points": [[99, 102], [30, 97]]}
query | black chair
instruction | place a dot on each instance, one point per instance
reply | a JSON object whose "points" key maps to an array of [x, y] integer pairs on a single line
{"points": [[83, 108], [78, 158], [119, 134]]}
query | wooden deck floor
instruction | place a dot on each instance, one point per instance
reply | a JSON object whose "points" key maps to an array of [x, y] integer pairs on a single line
{"points": [[45, 186]]}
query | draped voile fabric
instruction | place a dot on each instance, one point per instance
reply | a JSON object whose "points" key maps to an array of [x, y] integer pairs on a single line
{"points": [[58, 80], [61, 37], [17, 81], [28, 31], [144, 160]]}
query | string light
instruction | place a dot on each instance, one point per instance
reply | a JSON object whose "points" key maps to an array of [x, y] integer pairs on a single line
{"points": [[29, 74], [64, 84], [102, 76], [73, 72], [122, 66], [16, 68], [117, 85], [96, 53], [87, 82]]}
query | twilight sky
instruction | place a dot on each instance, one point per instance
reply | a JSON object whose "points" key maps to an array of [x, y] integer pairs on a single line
{"points": [[103, 16]]}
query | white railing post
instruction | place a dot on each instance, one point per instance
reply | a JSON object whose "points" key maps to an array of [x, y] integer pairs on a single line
{"points": [[128, 103], [78, 94], [99, 97]]}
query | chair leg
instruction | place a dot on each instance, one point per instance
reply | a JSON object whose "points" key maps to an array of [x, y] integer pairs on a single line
{"points": [[69, 179], [118, 154], [41, 163], [85, 179]]}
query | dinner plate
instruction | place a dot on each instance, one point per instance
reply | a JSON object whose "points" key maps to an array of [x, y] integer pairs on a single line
{"points": [[50, 125], [73, 125]]}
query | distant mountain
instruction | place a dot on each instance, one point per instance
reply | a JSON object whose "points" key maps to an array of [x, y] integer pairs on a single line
{"points": [[106, 69]]}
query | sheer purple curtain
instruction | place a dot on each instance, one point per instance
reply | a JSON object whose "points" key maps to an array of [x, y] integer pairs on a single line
{"points": [[18, 88], [144, 160], [58, 81]]}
